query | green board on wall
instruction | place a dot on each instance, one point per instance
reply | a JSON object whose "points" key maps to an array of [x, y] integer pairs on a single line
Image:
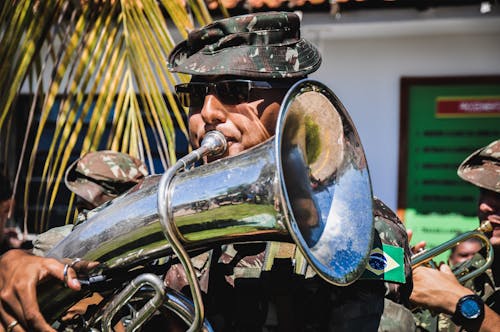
{"points": [[443, 120]]}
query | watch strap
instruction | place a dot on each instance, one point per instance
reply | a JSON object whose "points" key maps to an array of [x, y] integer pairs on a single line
{"points": [[461, 318]]}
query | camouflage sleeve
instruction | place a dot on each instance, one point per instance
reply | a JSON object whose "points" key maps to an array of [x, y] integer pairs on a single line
{"points": [[176, 278], [45, 241], [242, 261]]}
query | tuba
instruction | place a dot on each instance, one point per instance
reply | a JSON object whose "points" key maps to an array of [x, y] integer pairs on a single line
{"points": [[308, 185]]}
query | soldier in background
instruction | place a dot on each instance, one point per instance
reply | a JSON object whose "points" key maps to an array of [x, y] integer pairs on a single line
{"points": [[464, 251], [440, 290], [95, 179]]}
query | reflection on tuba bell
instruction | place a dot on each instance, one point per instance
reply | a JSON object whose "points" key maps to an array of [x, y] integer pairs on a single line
{"points": [[426, 257], [308, 185]]}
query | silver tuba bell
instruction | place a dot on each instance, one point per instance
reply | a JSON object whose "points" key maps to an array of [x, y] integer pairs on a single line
{"points": [[309, 185]]}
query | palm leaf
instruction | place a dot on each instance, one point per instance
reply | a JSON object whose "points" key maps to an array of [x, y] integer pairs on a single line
{"points": [[102, 66]]}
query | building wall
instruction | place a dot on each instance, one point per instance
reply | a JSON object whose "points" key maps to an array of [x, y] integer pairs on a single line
{"points": [[363, 62]]}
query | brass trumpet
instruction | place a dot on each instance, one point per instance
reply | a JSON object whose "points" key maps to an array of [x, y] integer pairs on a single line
{"points": [[425, 257]]}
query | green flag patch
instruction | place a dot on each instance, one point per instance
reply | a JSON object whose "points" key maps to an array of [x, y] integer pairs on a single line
{"points": [[385, 263]]}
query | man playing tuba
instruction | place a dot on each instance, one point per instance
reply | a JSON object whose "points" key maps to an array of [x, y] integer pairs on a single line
{"points": [[242, 68]]}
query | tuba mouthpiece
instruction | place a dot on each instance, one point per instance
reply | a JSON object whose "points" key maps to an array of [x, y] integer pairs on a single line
{"points": [[215, 143]]}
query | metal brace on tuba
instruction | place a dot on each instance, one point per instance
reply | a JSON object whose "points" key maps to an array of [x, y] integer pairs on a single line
{"points": [[308, 185]]}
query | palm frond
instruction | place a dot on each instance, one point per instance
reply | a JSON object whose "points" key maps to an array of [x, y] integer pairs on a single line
{"points": [[97, 74]]}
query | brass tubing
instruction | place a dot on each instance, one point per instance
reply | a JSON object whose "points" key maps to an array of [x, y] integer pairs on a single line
{"points": [[425, 257]]}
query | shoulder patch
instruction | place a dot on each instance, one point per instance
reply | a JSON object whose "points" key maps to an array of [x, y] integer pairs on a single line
{"points": [[385, 263]]}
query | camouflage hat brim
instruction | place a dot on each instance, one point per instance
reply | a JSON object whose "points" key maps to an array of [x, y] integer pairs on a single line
{"points": [[89, 191], [261, 45], [99, 176], [482, 167]]}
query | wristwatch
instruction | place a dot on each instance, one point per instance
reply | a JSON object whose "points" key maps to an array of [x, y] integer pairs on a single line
{"points": [[469, 312]]}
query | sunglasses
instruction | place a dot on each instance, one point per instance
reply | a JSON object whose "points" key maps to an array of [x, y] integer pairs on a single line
{"points": [[229, 92]]}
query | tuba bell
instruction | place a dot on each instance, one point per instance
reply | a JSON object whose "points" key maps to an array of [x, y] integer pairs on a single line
{"points": [[308, 185]]}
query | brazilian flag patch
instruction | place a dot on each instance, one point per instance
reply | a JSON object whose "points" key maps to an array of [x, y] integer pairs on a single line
{"points": [[385, 263]]}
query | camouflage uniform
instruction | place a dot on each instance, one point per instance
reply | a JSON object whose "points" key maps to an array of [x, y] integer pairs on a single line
{"points": [[97, 178], [314, 305], [482, 169], [250, 285]]}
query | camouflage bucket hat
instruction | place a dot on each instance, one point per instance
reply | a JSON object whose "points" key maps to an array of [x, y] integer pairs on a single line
{"points": [[260, 45], [100, 176], [482, 168]]}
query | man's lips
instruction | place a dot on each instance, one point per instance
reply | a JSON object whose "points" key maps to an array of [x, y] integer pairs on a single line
{"points": [[229, 139]]}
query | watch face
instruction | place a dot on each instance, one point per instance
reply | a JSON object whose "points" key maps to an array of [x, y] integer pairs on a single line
{"points": [[470, 309]]}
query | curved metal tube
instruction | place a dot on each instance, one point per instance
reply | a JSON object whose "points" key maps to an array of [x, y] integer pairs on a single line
{"points": [[178, 303], [213, 144], [425, 257], [147, 286], [160, 296], [184, 308], [125, 295]]}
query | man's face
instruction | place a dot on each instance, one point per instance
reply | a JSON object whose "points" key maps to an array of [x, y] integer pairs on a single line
{"points": [[245, 121], [464, 251], [489, 209]]}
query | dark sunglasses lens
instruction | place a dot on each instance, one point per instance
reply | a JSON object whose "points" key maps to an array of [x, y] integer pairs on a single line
{"points": [[191, 94], [228, 92], [233, 92]]}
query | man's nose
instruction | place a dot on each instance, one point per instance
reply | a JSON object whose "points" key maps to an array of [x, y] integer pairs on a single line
{"points": [[213, 111]]}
